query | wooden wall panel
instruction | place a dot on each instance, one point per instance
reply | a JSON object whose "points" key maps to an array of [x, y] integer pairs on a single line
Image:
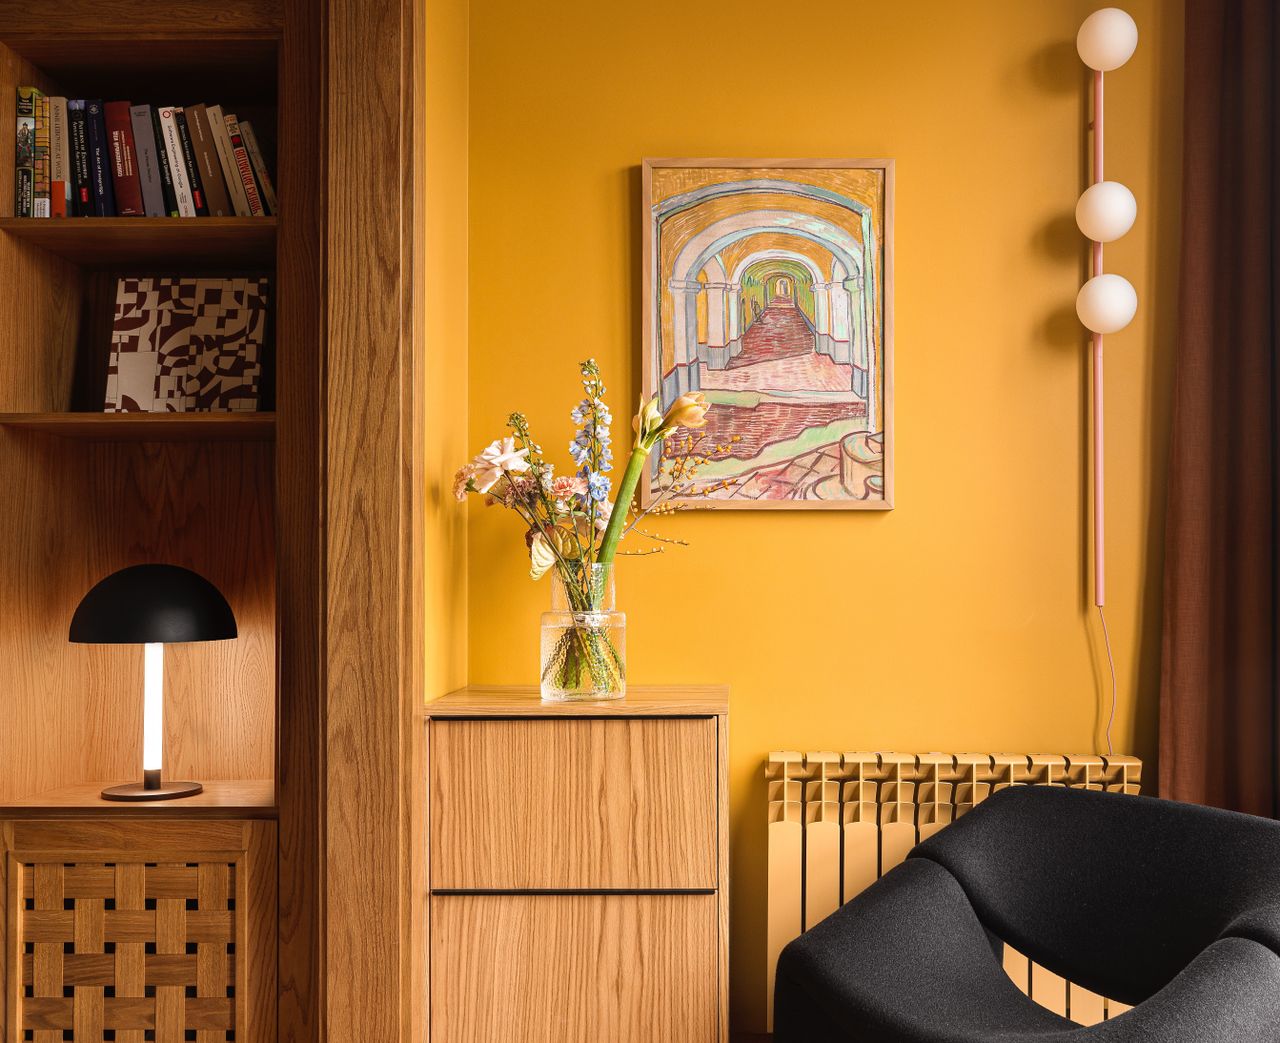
{"points": [[301, 349], [207, 507], [81, 510], [373, 608]]}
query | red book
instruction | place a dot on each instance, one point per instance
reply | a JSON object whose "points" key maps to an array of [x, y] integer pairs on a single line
{"points": [[124, 159]]}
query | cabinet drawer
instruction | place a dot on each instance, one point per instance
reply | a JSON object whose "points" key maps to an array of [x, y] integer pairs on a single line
{"points": [[535, 804], [574, 969]]}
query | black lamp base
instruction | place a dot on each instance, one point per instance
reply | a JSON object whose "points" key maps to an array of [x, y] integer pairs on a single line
{"points": [[167, 790]]}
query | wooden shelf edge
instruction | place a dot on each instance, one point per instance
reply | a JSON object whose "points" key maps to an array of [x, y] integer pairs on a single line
{"points": [[71, 226], [221, 798], [228, 242], [130, 427], [525, 701]]}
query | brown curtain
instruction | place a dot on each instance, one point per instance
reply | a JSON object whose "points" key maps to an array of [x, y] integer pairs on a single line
{"points": [[1220, 692]]}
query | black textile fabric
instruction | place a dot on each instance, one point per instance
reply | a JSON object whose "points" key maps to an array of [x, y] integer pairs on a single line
{"points": [[1173, 907]]}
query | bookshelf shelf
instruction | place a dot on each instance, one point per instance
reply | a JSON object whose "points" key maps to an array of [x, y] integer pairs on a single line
{"points": [[245, 241], [222, 798], [148, 427]]}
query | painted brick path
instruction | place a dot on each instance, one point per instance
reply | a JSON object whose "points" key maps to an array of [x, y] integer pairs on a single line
{"points": [[780, 332]]}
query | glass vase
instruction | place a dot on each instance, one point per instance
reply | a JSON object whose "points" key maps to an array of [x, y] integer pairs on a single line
{"points": [[584, 637]]}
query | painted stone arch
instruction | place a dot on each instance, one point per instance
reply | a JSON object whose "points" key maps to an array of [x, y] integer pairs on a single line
{"points": [[862, 273], [847, 336], [758, 287], [758, 261]]}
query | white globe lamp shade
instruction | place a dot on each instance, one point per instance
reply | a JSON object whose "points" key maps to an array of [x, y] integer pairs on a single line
{"points": [[1107, 303], [1106, 211], [1107, 39]]}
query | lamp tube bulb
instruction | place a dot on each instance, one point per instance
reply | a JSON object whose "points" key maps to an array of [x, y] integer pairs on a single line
{"points": [[153, 711]]}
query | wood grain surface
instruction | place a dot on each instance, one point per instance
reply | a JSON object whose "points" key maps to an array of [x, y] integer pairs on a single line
{"points": [[169, 917], [148, 241], [239, 798], [300, 407], [78, 511], [524, 701], [574, 969], [372, 694], [148, 427], [608, 804]]}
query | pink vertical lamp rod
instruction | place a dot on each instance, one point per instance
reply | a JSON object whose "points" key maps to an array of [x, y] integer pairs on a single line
{"points": [[1099, 527]]}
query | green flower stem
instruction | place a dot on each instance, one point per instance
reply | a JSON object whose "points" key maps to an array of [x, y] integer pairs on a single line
{"points": [[622, 504]]}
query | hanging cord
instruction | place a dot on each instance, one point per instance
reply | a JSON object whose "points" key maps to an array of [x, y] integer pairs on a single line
{"points": [[1106, 637]]}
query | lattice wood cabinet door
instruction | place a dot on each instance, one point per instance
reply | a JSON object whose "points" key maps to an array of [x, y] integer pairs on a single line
{"points": [[130, 931]]}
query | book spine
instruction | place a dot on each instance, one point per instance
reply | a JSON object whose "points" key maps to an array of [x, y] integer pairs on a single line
{"points": [[177, 165], [166, 172], [206, 155], [60, 179], [81, 194], [144, 142], [227, 160], [104, 197], [124, 159], [193, 168], [24, 181], [243, 165], [259, 167], [40, 161]]}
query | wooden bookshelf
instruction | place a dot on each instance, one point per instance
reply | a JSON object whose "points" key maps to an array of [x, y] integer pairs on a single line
{"points": [[92, 492], [220, 798], [318, 691], [248, 242], [148, 427]]}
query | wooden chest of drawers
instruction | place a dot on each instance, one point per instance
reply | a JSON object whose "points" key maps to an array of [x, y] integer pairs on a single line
{"points": [[577, 868]]}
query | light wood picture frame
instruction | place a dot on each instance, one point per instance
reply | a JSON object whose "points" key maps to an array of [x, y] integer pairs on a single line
{"points": [[768, 288]]}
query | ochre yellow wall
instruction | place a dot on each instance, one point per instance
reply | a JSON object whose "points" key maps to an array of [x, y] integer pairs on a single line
{"points": [[961, 620], [444, 289]]}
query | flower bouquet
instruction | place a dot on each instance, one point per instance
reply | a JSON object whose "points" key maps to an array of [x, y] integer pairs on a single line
{"points": [[573, 529]]}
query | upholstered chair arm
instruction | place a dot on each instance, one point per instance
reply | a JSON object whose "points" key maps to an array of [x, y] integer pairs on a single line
{"points": [[905, 960]]}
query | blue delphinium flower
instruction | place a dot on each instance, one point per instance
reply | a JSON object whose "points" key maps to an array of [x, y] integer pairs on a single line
{"points": [[598, 486], [590, 448]]}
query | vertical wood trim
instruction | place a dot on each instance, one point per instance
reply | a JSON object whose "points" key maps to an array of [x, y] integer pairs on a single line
{"points": [[301, 581], [722, 893], [413, 638], [372, 604], [11, 981]]}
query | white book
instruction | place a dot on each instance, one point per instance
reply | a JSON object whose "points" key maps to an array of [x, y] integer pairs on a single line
{"points": [[177, 164], [60, 151], [259, 165], [227, 159]]}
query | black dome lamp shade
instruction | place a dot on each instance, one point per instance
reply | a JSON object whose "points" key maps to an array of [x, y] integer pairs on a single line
{"points": [[152, 605]]}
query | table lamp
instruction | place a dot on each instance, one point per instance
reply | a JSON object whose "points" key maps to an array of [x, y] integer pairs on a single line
{"points": [[152, 606]]}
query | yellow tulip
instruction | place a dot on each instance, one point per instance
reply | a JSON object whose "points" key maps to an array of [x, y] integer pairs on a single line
{"points": [[648, 423], [689, 410]]}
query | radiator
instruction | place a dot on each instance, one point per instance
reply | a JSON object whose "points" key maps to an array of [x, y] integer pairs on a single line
{"points": [[838, 822]]}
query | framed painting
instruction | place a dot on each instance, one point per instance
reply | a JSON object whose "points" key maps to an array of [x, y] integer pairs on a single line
{"points": [[768, 288]]}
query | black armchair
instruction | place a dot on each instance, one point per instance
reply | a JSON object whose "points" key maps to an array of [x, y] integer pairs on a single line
{"points": [[1172, 908]]}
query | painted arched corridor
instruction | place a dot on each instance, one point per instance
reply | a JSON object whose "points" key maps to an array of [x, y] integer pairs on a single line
{"points": [[766, 298]]}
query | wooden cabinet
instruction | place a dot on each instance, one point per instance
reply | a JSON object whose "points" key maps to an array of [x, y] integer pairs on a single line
{"points": [[130, 929], [577, 868]]}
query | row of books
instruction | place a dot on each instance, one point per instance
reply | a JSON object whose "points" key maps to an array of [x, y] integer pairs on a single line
{"points": [[80, 158]]}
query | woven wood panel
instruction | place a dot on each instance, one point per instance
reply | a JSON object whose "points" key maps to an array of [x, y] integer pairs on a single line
{"points": [[127, 943], [142, 950]]}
